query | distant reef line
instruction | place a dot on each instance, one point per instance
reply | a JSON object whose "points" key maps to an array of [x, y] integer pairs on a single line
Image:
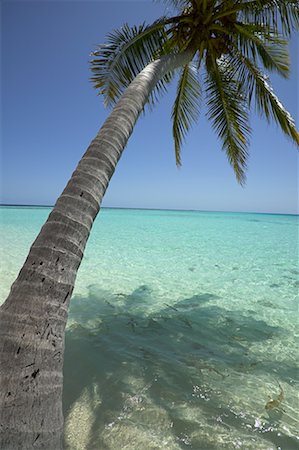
{"points": [[16, 205]]}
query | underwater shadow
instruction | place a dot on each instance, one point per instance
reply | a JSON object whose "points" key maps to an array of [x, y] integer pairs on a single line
{"points": [[117, 338]]}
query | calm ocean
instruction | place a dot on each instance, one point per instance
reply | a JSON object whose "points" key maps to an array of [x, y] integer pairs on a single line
{"points": [[183, 325]]}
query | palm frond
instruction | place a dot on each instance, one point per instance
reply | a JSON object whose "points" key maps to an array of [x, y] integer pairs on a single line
{"points": [[186, 106], [227, 109], [125, 54], [255, 40], [278, 14], [267, 103]]}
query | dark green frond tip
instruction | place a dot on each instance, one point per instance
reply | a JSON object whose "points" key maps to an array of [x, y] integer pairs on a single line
{"points": [[186, 107]]}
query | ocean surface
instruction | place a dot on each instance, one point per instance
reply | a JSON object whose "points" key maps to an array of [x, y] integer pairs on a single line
{"points": [[183, 327]]}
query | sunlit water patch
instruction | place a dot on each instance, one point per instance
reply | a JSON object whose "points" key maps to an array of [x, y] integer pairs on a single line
{"points": [[183, 330]]}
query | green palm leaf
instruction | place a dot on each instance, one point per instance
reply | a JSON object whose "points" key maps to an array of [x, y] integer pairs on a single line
{"points": [[282, 14], [186, 106], [227, 109], [255, 40], [126, 53], [267, 103]]}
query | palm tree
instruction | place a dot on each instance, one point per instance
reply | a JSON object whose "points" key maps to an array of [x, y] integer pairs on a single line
{"points": [[225, 41]]}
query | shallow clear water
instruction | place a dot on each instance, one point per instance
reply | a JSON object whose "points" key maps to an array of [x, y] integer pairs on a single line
{"points": [[182, 326]]}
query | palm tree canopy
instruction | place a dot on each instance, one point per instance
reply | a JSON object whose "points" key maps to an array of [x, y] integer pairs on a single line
{"points": [[235, 45]]}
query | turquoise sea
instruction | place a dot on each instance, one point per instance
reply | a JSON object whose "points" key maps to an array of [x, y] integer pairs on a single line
{"points": [[183, 326]]}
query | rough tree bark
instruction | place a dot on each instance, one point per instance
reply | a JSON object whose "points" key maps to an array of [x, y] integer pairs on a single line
{"points": [[33, 318]]}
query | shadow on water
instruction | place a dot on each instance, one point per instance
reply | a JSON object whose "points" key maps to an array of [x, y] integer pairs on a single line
{"points": [[179, 352]]}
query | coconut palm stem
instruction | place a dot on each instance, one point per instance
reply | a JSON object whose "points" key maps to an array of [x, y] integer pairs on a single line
{"points": [[34, 315]]}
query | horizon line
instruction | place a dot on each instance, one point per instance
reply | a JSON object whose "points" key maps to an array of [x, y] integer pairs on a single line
{"points": [[156, 209]]}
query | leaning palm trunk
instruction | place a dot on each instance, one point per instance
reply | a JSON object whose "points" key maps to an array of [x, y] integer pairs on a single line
{"points": [[34, 316]]}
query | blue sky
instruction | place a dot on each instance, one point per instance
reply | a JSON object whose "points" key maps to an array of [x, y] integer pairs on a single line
{"points": [[50, 113]]}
